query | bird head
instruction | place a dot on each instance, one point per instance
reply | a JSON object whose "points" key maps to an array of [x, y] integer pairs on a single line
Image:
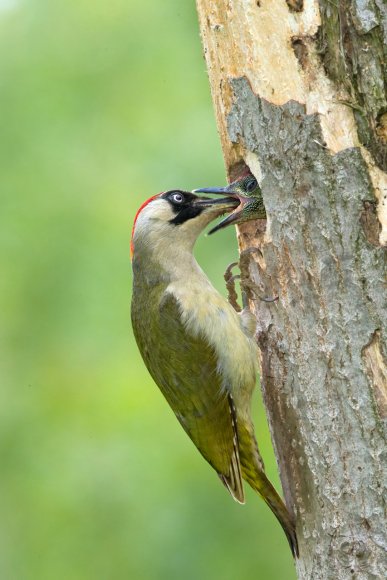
{"points": [[175, 218], [246, 190]]}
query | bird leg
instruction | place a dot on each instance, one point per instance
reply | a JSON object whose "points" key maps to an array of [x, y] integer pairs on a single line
{"points": [[232, 295], [248, 289], [252, 290], [246, 283]]}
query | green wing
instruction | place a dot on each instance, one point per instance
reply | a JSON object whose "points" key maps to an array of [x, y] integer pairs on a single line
{"points": [[188, 379]]}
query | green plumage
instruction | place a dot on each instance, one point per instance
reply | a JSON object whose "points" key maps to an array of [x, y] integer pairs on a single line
{"points": [[199, 351], [185, 369], [254, 208], [249, 193]]}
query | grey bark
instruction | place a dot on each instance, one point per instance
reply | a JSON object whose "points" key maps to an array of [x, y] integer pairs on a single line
{"points": [[323, 343], [326, 418], [353, 43]]}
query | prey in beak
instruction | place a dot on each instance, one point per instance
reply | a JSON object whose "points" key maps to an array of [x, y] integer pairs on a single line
{"points": [[247, 192]]}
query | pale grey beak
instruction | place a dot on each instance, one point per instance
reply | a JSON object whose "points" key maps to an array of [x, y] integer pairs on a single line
{"points": [[225, 203], [212, 190]]}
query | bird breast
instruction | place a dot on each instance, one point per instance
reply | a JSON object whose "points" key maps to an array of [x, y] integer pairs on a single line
{"points": [[206, 313]]}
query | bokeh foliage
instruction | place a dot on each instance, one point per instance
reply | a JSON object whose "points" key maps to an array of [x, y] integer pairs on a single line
{"points": [[102, 105]]}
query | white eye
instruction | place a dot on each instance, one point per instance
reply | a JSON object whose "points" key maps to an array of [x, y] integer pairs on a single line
{"points": [[177, 197]]}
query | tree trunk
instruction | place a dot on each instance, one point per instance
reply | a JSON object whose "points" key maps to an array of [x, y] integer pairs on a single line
{"points": [[299, 97]]}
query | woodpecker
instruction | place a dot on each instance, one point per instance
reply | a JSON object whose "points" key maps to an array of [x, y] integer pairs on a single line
{"points": [[246, 189], [198, 350]]}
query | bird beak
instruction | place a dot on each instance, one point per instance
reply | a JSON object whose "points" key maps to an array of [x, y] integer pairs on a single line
{"points": [[238, 209], [229, 220], [212, 190], [217, 205]]}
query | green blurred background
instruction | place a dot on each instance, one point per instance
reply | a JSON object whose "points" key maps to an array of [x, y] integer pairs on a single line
{"points": [[102, 105]]}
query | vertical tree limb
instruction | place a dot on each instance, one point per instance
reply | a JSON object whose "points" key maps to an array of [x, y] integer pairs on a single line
{"points": [[298, 95]]}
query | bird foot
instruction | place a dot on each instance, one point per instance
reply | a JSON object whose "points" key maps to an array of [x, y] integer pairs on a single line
{"points": [[252, 250], [230, 278], [249, 291], [252, 289]]}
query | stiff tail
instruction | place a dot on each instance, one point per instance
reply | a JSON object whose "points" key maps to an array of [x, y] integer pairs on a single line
{"points": [[262, 485], [253, 472], [233, 480], [282, 514]]}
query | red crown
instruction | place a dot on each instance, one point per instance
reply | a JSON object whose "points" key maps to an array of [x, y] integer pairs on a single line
{"points": [[135, 220]]}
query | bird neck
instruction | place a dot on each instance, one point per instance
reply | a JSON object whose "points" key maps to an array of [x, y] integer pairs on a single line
{"points": [[170, 263]]}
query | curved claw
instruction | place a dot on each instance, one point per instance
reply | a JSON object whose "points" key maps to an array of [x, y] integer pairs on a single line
{"points": [[248, 289], [266, 299], [230, 286], [251, 250], [247, 283], [227, 273]]}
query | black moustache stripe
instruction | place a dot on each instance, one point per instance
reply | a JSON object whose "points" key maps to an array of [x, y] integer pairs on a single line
{"points": [[186, 213]]}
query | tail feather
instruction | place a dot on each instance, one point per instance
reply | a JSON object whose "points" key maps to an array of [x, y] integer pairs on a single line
{"points": [[253, 472], [233, 480], [234, 487], [262, 485]]}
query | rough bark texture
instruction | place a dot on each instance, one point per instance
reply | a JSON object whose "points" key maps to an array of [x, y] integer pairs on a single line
{"points": [[298, 96]]}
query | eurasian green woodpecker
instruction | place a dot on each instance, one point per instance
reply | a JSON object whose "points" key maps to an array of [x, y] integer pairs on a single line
{"points": [[249, 194], [199, 351]]}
